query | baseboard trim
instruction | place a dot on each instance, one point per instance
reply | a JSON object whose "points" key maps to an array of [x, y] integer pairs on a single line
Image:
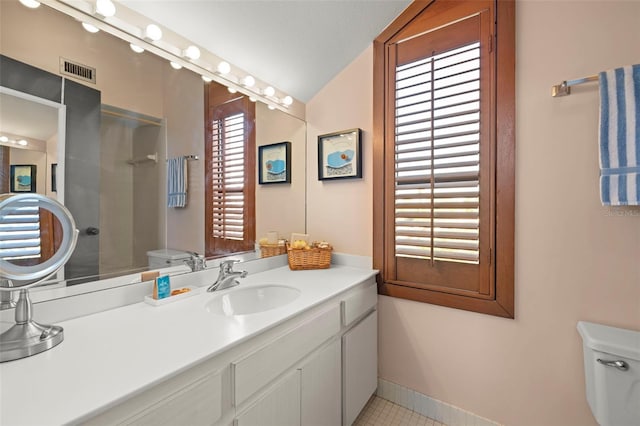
{"points": [[440, 411]]}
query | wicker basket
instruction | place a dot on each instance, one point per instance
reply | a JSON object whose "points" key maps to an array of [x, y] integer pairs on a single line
{"points": [[268, 250], [313, 258]]}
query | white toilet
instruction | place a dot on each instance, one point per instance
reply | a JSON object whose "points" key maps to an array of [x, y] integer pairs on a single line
{"points": [[612, 373]]}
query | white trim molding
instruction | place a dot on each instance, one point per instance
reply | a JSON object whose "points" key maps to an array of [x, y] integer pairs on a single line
{"points": [[442, 412]]}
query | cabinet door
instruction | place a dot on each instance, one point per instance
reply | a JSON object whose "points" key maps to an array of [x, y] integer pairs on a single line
{"points": [[320, 391], [279, 407], [359, 366]]}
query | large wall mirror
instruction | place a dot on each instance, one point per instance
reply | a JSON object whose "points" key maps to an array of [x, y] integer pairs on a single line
{"points": [[121, 129]]}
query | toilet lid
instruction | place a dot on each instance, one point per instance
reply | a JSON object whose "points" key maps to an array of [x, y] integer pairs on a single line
{"points": [[611, 340]]}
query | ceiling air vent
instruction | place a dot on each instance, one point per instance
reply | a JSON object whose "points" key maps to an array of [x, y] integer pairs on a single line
{"points": [[76, 70]]}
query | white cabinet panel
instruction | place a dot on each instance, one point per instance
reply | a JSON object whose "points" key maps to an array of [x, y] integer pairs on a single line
{"points": [[193, 398], [198, 404], [279, 407], [259, 368], [321, 388], [360, 366]]}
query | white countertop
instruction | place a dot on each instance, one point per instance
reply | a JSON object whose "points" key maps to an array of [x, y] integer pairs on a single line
{"points": [[110, 356]]}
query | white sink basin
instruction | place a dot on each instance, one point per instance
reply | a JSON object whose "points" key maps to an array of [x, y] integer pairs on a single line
{"points": [[250, 300]]}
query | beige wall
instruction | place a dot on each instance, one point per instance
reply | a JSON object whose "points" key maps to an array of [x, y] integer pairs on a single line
{"points": [[340, 211], [575, 259], [184, 113], [281, 205]]}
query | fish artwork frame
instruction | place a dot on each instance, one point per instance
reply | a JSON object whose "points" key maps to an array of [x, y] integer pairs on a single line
{"points": [[274, 163], [339, 155], [23, 178]]}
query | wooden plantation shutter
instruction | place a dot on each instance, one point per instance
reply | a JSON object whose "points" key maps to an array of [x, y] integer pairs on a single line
{"points": [[441, 132], [230, 178], [444, 142]]}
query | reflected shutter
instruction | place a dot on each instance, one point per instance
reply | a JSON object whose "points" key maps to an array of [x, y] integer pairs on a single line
{"points": [[230, 175], [20, 233], [227, 177]]}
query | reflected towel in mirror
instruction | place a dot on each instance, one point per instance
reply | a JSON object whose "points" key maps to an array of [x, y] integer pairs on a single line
{"points": [[177, 182]]}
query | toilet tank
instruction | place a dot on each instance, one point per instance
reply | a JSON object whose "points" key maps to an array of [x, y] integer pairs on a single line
{"points": [[612, 373], [164, 258]]}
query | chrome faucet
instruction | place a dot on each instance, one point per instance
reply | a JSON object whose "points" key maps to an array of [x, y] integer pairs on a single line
{"points": [[197, 262], [227, 276]]}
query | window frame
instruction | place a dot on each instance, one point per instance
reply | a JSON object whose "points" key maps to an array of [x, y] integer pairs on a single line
{"points": [[502, 254], [216, 97]]}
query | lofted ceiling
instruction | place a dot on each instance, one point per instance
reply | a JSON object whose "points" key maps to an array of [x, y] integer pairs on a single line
{"points": [[295, 45]]}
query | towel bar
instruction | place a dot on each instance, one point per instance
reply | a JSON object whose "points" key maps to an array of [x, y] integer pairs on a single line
{"points": [[190, 157], [564, 88]]}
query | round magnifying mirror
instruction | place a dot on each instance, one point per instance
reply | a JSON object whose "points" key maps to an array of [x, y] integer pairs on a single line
{"points": [[19, 212], [21, 259]]}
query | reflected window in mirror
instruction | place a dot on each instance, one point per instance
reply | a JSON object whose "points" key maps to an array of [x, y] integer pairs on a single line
{"points": [[230, 171], [30, 235]]}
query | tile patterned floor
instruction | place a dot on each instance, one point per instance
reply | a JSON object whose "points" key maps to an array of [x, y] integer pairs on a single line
{"points": [[380, 412]]}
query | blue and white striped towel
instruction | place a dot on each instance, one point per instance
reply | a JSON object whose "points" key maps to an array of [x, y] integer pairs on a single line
{"points": [[620, 136], [177, 182]]}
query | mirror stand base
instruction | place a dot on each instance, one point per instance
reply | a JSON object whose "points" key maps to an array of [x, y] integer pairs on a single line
{"points": [[27, 337], [24, 340]]}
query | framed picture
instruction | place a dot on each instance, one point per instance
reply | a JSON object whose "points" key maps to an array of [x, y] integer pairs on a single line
{"points": [[274, 163], [23, 178], [54, 180], [339, 155]]}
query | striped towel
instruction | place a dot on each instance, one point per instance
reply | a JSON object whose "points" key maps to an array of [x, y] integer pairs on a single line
{"points": [[177, 182], [620, 136]]}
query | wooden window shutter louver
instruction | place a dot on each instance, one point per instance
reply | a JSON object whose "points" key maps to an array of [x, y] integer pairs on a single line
{"points": [[441, 131]]}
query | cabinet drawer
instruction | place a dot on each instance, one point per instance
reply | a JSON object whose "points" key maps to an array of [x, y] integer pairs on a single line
{"points": [[358, 303], [259, 368]]}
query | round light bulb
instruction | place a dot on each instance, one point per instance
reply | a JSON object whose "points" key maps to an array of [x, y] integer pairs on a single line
{"points": [[136, 48], [252, 99], [269, 91], [23, 142], [224, 67], [153, 32], [207, 79], [31, 4], [90, 28], [175, 65], [287, 100], [271, 107], [249, 81], [105, 8], [191, 52], [232, 90], [4, 139]]}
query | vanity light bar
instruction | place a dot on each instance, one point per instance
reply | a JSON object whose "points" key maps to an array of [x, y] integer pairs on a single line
{"points": [[120, 27]]}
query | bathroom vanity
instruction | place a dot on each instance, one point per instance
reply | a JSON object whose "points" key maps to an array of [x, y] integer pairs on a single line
{"points": [[232, 357]]}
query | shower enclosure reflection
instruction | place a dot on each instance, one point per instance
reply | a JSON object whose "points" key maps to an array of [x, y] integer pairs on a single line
{"points": [[131, 155]]}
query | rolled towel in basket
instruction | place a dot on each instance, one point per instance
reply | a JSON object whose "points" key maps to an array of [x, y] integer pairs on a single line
{"points": [[620, 136]]}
